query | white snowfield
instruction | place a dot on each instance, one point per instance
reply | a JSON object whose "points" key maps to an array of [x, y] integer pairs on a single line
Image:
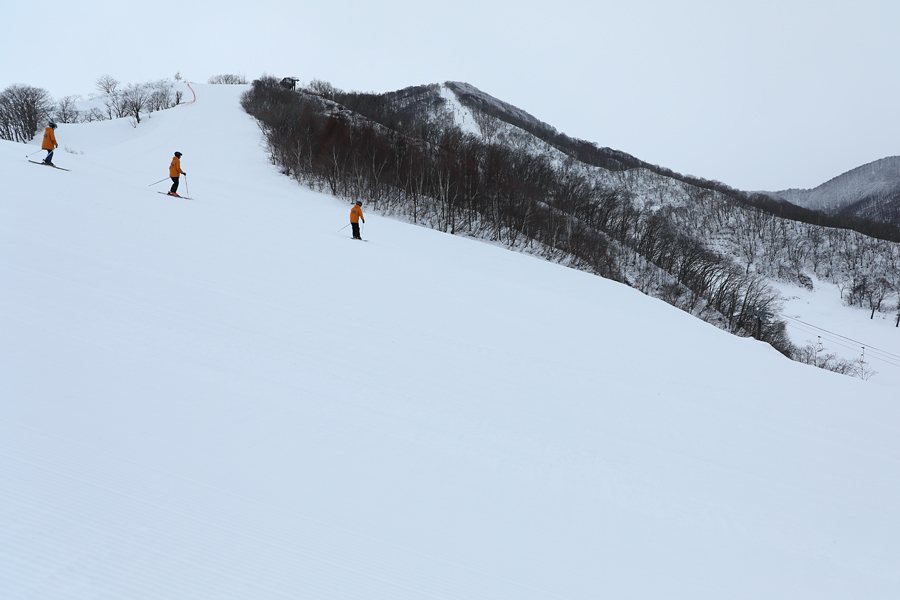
{"points": [[226, 398]]}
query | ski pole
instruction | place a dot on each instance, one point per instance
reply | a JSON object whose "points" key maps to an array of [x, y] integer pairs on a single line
{"points": [[343, 228], [33, 153], [160, 181], [186, 188]]}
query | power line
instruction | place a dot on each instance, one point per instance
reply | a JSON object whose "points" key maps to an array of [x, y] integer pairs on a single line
{"points": [[897, 356], [876, 353], [864, 349]]}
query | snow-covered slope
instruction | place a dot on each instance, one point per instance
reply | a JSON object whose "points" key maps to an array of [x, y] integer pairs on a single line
{"points": [[229, 398]]}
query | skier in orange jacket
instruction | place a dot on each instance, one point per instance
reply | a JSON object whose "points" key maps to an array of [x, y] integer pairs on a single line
{"points": [[175, 173], [49, 143], [356, 215]]}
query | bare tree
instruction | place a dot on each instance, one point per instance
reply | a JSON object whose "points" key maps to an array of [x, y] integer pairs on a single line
{"points": [[115, 105], [161, 96], [23, 108], [65, 111], [95, 114], [862, 369], [107, 84], [136, 100], [322, 88], [228, 79], [870, 291]]}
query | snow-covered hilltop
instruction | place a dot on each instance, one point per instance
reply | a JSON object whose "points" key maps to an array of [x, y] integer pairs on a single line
{"points": [[871, 191]]}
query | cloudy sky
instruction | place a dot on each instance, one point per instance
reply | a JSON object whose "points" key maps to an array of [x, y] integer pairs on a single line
{"points": [[764, 95]]}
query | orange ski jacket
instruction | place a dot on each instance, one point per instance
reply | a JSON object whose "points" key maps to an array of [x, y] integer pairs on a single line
{"points": [[356, 214], [175, 167], [49, 142]]}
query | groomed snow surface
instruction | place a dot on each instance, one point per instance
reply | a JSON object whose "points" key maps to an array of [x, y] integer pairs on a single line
{"points": [[227, 398]]}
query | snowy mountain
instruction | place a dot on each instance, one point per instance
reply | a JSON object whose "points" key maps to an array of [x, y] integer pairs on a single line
{"points": [[871, 191], [229, 398], [477, 112]]}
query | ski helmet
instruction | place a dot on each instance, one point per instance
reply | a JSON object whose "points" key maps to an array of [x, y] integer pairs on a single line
{"points": [[52, 125], [359, 202], [178, 154]]}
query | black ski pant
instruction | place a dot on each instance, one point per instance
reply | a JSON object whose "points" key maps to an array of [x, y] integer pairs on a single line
{"points": [[174, 184], [355, 229]]}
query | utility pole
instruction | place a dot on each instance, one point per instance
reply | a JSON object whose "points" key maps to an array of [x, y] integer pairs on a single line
{"points": [[761, 314]]}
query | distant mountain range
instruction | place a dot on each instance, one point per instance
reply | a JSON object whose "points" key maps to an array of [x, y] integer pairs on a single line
{"points": [[871, 191]]}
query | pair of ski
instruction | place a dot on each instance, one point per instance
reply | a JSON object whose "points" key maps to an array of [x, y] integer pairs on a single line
{"points": [[174, 196], [46, 164]]}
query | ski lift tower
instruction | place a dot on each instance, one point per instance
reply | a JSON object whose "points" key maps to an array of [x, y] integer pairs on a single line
{"points": [[761, 315]]}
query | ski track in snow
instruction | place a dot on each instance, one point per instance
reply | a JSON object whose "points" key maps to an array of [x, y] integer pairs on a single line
{"points": [[221, 399]]}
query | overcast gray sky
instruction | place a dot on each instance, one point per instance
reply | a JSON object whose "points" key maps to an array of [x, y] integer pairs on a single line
{"points": [[768, 94]]}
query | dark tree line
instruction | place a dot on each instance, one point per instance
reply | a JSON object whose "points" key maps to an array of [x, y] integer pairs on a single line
{"points": [[879, 229], [403, 159], [228, 79]]}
